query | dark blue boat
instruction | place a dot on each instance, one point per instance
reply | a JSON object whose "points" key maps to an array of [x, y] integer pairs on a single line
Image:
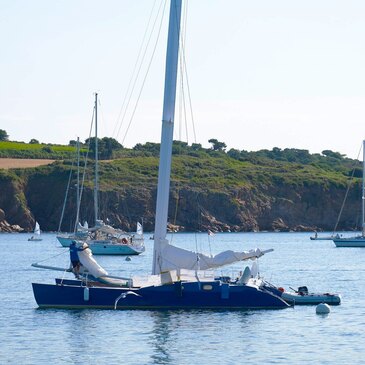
{"points": [[178, 295], [178, 285]]}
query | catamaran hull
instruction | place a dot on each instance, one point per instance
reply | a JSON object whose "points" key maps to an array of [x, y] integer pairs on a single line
{"points": [[350, 242], [212, 295]]}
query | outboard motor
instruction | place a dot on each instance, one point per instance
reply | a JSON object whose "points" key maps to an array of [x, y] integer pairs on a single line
{"points": [[303, 290]]}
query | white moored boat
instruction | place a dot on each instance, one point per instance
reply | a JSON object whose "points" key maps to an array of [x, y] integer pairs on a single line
{"points": [[357, 241], [302, 296]]}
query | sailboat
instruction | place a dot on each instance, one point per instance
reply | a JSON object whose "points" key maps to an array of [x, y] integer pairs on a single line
{"points": [[179, 279], [37, 233], [102, 238], [356, 241]]}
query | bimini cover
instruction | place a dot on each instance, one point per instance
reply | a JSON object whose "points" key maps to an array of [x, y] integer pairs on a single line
{"points": [[87, 260], [175, 258]]}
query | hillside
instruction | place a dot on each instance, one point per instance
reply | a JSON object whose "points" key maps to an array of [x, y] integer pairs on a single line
{"points": [[211, 189]]}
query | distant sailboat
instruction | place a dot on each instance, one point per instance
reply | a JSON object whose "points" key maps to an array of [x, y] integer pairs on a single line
{"points": [[356, 241], [103, 239], [37, 233]]}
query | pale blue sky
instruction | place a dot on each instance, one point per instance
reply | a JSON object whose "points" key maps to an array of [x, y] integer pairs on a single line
{"points": [[262, 73]]}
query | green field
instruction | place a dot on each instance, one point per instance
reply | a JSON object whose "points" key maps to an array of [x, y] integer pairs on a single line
{"points": [[37, 151]]}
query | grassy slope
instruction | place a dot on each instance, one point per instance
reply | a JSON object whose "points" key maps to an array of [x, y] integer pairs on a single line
{"points": [[37, 151]]}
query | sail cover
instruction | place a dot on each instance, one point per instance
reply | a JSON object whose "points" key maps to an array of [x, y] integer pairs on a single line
{"points": [[175, 258], [89, 263]]}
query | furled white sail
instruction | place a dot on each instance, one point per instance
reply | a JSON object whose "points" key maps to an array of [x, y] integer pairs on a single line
{"points": [[175, 258], [88, 262]]}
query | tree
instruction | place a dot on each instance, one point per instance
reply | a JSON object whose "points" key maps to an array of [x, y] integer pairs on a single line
{"points": [[234, 153], [196, 146], [216, 145], [329, 153], [106, 146], [3, 135], [34, 141]]}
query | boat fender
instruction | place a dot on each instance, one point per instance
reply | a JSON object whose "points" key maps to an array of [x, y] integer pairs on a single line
{"points": [[323, 308], [281, 289], [86, 294]]}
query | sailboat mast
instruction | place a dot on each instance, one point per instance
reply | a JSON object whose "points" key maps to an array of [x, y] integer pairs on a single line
{"points": [[77, 186], [363, 188], [163, 187], [96, 184]]}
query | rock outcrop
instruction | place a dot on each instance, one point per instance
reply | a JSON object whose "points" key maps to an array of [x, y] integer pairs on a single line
{"points": [[275, 207]]}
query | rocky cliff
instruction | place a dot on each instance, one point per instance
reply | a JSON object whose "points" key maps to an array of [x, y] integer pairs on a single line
{"points": [[271, 205]]}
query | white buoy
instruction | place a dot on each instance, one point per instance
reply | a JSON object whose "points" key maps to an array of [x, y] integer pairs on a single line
{"points": [[127, 258], [323, 308]]}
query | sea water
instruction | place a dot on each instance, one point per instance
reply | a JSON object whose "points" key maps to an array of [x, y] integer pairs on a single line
{"points": [[298, 335]]}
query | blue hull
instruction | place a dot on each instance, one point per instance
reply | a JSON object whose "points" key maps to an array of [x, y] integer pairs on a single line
{"points": [[192, 295], [105, 247], [350, 242]]}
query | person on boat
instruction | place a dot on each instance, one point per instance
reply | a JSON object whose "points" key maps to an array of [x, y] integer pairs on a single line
{"points": [[74, 257]]}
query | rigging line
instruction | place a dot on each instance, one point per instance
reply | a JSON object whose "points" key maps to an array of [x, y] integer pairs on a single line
{"points": [[183, 68], [65, 200], [181, 75], [52, 257], [85, 163], [101, 113], [187, 80], [144, 80], [134, 69], [347, 191], [140, 67]]}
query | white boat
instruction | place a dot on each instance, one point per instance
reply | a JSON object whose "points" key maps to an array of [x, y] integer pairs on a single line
{"points": [[323, 238], [303, 297], [311, 298], [179, 279], [356, 241], [37, 233], [103, 239], [106, 240]]}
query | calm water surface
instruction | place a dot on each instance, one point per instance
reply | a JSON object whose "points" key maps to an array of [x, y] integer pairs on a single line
{"points": [[296, 335]]}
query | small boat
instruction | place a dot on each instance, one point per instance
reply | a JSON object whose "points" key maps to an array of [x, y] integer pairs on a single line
{"points": [[302, 296], [356, 241], [180, 278], [324, 238], [37, 233]]}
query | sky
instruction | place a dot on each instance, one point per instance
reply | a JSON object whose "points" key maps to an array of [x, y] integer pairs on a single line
{"points": [[261, 74]]}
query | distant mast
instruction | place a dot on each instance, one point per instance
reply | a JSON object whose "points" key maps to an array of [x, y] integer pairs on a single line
{"points": [[163, 187], [78, 186], [96, 184], [363, 188]]}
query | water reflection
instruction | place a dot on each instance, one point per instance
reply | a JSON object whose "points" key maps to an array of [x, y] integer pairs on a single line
{"points": [[161, 337]]}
